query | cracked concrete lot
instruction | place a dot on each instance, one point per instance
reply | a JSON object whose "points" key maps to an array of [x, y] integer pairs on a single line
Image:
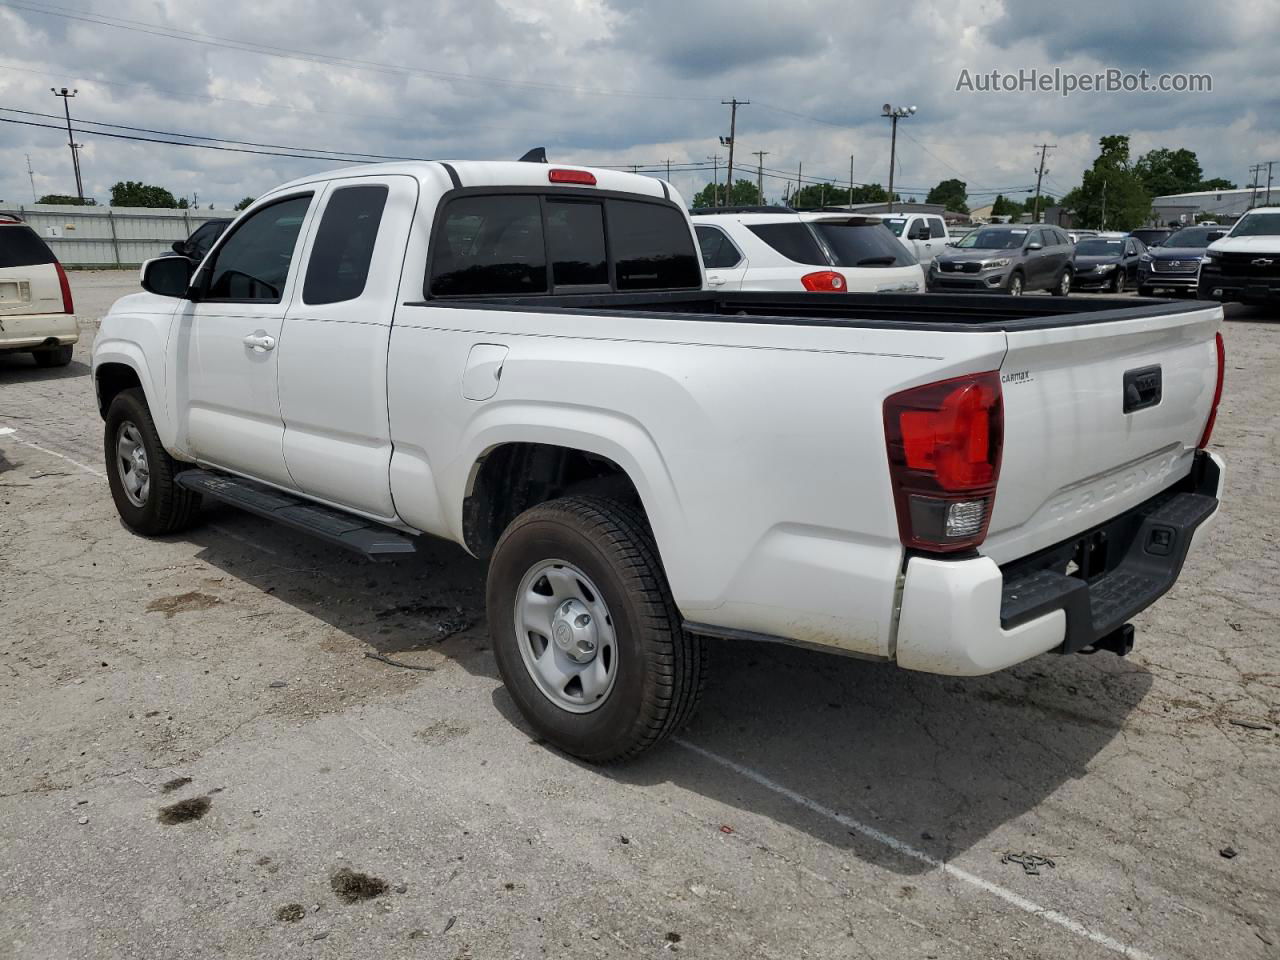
{"points": [[201, 759]]}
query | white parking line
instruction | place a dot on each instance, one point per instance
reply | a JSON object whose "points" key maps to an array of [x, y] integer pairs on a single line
{"points": [[906, 850], [12, 434]]}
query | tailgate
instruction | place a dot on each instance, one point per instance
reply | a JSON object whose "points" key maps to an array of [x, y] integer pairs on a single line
{"points": [[1073, 457]]}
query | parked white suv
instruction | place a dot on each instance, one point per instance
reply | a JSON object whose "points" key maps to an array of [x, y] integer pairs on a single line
{"points": [[1244, 266], [924, 234], [763, 248], [36, 312]]}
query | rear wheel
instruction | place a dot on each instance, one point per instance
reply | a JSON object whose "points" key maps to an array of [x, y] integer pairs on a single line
{"points": [[54, 357], [1064, 284], [588, 640], [1015, 284], [140, 473]]}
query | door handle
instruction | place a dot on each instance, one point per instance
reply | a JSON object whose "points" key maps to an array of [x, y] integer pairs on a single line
{"points": [[715, 281], [260, 342]]}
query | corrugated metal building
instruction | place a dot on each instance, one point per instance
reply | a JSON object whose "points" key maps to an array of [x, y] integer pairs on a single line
{"points": [[110, 236]]}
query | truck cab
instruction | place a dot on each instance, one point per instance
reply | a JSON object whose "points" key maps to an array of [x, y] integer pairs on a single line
{"points": [[925, 235]]}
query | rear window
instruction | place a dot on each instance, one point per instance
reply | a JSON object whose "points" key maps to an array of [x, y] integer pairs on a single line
{"points": [[20, 246], [793, 240], [343, 248], [652, 247], [490, 245], [523, 244], [863, 245]]}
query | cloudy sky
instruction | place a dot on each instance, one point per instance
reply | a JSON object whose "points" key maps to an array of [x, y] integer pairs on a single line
{"points": [[613, 82]]}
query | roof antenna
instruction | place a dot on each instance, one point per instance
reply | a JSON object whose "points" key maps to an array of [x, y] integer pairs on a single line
{"points": [[536, 155]]}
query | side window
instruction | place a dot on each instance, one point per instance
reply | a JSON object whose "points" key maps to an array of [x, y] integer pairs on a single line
{"points": [[343, 248], [489, 245], [795, 241], [652, 247], [919, 229], [937, 229], [253, 264], [575, 243], [718, 251], [1130, 249], [1036, 236]]}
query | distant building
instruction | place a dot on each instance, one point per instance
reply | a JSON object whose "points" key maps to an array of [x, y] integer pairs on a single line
{"points": [[982, 213], [1223, 205]]}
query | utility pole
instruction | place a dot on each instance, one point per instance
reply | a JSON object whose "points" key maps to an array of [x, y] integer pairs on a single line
{"points": [[715, 179], [894, 114], [1035, 210], [733, 105], [1269, 163], [799, 177], [32, 177], [668, 168], [1254, 173], [1104, 205], [760, 155], [851, 181], [71, 141]]}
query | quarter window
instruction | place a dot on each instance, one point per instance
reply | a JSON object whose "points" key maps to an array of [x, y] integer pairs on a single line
{"points": [[253, 263], [795, 241], [343, 249], [937, 228], [718, 251]]}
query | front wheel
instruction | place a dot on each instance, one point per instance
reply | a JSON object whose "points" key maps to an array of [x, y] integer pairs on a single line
{"points": [[1015, 285], [140, 473], [1117, 285], [588, 640]]}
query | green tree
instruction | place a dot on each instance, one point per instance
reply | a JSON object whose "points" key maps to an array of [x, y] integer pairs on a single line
{"points": [[1164, 171], [744, 194], [1046, 200], [1111, 196], [66, 200], [248, 200], [1002, 206], [131, 193], [835, 194], [1217, 183], [952, 194]]}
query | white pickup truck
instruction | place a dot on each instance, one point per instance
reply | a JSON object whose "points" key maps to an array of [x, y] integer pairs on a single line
{"points": [[924, 234], [523, 359]]}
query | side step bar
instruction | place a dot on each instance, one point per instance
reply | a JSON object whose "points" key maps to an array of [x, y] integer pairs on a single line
{"points": [[366, 537]]}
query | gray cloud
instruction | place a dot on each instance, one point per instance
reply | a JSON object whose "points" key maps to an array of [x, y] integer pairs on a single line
{"points": [[501, 77]]}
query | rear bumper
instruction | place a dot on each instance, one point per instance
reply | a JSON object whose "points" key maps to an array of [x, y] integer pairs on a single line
{"points": [[970, 617], [37, 330]]}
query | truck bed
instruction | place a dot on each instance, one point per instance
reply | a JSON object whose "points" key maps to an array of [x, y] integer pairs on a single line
{"points": [[930, 311]]}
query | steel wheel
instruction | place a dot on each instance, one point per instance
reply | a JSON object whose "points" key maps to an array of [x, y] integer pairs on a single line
{"points": [[565, 635], [131, 462]]}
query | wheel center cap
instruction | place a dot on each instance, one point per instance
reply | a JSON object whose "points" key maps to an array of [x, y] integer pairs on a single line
{"points": [[574, 631]]}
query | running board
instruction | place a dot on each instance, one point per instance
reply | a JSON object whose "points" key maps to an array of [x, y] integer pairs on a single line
{"points": [[367, 537]]}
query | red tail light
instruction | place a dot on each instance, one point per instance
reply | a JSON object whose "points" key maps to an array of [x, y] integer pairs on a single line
{"points": [[65, 284], [583, 177], [824, 281], [944, 441], [1217, 395]]}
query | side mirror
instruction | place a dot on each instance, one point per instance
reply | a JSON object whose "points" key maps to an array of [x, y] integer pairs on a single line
{"points": [[180, 247], [1035, 245], [167, 276]]}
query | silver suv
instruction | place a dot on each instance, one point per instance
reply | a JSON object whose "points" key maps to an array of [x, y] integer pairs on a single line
{"points": [[1009, 257]]}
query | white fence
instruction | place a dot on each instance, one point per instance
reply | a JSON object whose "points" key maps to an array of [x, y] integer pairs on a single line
{"points": [[110, 236]]}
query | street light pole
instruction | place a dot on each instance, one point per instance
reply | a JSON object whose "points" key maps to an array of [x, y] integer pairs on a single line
{"points": [[894, 114], [71, 140]]}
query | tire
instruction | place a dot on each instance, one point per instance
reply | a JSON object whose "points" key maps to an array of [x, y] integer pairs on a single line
{"points": [[56, 357], [1117, 285], [1015, 284], [163, 506], [1063, 287], [657, 668], [1146, 291]]}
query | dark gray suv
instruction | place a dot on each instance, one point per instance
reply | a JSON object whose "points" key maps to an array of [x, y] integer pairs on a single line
{"points": [[1012, 257]]}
